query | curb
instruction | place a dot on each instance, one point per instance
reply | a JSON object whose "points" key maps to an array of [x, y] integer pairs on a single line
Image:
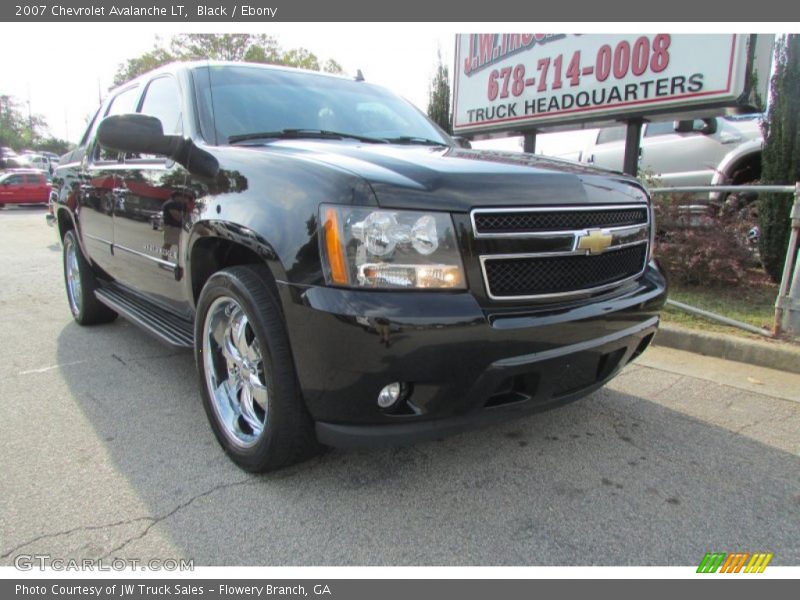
{"points": [[774, 355]]}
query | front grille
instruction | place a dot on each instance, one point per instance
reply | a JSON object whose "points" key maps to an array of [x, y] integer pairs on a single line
{"points": [[520, 222], [544, 275]]}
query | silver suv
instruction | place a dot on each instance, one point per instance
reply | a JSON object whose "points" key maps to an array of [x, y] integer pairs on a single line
{"points": [[716, 151]]}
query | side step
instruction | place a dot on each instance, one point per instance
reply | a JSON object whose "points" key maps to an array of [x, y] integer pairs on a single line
{"points": [[165, 326]]}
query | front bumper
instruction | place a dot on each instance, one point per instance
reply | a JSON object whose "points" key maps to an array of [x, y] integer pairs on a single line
{"points": [[465, 365]]}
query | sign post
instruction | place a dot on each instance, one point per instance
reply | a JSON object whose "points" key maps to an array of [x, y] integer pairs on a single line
{"points": [[633, 146], [529, 141]]}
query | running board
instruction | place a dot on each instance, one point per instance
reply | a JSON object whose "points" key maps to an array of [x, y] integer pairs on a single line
{"points": [[167, 327]]}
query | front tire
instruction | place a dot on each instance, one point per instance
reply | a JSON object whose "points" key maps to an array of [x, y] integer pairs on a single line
{"points": [[81, 283], [247, 376]]}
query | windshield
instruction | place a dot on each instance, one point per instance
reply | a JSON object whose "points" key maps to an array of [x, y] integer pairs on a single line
{"points": [[240, 100]]}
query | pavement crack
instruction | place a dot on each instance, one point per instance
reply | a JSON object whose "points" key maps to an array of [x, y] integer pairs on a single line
{"points": [[756, 423], [46, 536], [661, 392], [156, 520], [151, 521]]}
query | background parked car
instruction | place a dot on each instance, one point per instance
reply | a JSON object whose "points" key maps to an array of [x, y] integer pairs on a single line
{"points": [[8, 158], [716, 151], [54, 160], [24, 186], [37, 161]]}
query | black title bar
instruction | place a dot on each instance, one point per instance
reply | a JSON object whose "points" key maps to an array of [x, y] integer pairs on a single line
{"points": [[259, 11]]}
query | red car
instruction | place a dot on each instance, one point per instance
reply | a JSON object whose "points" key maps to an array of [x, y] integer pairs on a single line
{"points": [[27, 186]]}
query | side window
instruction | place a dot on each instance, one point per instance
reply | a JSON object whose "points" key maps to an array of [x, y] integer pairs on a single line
{"points": [[85, 138], [34, 179], [611, 134], [660, 128], [14, 180], [123, 103], [162, 100]]}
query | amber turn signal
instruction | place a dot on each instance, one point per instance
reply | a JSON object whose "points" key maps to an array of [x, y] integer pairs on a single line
{"points": [[334, 247]]}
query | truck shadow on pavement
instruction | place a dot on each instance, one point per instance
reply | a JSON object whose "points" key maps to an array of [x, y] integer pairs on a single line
{"points": [[613, 479]]}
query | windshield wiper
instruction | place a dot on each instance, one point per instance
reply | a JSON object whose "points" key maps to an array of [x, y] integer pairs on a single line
{"points": [[408, 139], [296, 134]]}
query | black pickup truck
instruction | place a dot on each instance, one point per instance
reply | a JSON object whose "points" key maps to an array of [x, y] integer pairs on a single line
{"points": [[346, 273]]}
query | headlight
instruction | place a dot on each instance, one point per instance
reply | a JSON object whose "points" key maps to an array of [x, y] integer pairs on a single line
{"points": [[381, 248]]}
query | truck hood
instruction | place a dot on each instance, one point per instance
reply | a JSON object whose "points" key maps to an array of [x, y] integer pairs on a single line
{"points": [[456, 179]]}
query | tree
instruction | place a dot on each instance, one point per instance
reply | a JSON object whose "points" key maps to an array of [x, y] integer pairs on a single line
{"points": [[53, 144], [142, 64], [331, 66], [224, 46], [781, 156], [301, 58], [19, 130], [258, 48], [439, 96]]}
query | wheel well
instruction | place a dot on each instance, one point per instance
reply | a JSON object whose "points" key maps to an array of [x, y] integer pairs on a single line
{"points": [[64, 223], [209, 255], [746, 169]]}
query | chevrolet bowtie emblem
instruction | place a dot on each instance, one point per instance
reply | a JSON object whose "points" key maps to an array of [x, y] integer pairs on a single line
{"points": [[595, 241]]}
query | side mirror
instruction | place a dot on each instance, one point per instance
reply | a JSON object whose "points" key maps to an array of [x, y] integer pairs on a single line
{"points": [[141, 134], [710, 126], [462, 142], [704, 126], [136, 134]]}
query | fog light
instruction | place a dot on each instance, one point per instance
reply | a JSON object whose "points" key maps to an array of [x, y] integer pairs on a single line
{"points": [[389, 395]]}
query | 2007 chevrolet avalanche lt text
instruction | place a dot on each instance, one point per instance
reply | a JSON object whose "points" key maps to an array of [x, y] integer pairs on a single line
{"points": [[346, 273]]}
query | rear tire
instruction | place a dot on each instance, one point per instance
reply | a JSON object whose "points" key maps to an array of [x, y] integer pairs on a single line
{"points": [[247, 377], [81, 283]]}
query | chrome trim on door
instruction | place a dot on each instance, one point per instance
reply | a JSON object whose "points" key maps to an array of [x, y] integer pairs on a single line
{"points": [[160, 261], [98, 239]]}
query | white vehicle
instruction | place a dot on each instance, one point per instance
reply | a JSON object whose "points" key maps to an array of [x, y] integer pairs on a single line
{"points": [[716, 151], [37, 161]]}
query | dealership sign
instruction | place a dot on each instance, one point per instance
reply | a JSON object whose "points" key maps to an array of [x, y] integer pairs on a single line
{"points": [[507, 82]]}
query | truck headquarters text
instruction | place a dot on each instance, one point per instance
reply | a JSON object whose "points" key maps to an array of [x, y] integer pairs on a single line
{"points": [[618, 94]]}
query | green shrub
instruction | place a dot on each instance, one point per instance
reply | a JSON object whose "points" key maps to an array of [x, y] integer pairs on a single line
{"points": [[781, 157]]}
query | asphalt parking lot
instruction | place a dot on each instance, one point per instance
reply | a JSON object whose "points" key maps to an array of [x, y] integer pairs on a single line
{"points": [[107, 453]]}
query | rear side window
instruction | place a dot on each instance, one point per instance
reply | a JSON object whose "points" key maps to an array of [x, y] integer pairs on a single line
{"points": [[123, 103], [162, 100], [34, 179], [660, 128], [611, 134]]}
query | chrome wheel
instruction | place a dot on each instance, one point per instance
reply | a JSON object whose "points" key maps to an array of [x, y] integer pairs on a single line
{"points": [[234, 372], [73, 272]]}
